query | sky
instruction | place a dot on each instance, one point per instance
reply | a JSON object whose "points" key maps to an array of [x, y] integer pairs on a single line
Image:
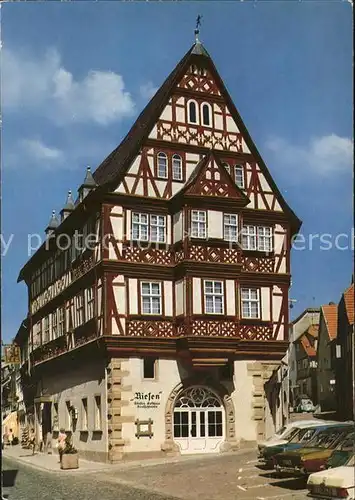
{"points": [[75, 75]]}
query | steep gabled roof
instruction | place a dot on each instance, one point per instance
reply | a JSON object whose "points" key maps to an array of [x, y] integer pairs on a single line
{"points": [[349, 303], [330, 314], [116, 164], [113, 168]]}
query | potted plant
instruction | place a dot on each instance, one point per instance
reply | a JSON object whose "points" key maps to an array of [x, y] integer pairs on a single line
{"points": [[70, 459]]}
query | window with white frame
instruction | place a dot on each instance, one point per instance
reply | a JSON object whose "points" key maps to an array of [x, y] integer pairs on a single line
{"points": [[54, 325], [162, 166], [249, 237], [192, 111], [140, 226], [198, 224], [214, 297], [177, 167], [46, 330], [79, 299], [98, 416], [61, 329], [148, 227], [257, 238], [250, 303], [157, 228], [264, 239], [206, 115], [151, 298], [230, 223], [90, 302], [239, 175], [84, 414]]}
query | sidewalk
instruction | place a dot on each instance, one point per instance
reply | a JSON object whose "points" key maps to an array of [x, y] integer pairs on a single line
{"points": [[50, 462]]}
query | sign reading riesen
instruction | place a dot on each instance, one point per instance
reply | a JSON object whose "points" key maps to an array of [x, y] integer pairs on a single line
{"points": [[147, 399]]}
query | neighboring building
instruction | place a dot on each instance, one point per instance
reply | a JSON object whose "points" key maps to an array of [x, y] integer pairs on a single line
{"points": [[9, 398], [306, 362], [309, 317], [162, 337], [328, 325], [344, 356]]}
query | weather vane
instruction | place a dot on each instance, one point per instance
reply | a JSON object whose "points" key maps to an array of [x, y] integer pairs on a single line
{"points": [[198, 24]]}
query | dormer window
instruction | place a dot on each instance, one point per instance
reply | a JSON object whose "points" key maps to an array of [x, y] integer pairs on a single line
{"points": [[162, 166], [239, 176], [177, 168], [206, 115], [192, 109]]}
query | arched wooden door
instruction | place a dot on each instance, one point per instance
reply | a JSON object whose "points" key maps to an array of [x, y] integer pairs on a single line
{"points": [[199, 421]]}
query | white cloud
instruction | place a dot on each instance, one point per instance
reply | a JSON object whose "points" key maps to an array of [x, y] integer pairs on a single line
{"points": [[45, 85], [147, 90], [323, 155], [39, 152]]}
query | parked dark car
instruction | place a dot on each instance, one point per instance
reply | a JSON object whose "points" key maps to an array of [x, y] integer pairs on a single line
{"points": [[342, 454], [297, 441], [313, 457]]}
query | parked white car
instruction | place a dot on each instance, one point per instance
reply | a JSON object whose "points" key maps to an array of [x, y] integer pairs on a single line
{"points": [[333, 484], [283, 435]]}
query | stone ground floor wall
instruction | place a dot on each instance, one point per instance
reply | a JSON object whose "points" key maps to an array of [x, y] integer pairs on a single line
{"points": [[141, 419], [137, 414], [65, 393]]}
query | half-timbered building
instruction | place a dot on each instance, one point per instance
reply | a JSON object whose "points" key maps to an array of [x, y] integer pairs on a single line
{"points": [[158, 304]]}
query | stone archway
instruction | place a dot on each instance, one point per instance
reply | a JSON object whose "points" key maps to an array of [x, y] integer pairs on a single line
{"points": [[230, 443]]}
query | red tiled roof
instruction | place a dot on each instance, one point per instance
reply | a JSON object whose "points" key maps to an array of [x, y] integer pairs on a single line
{"points": [[330, 313], [313, 330], [310, 350], [349, 303]]}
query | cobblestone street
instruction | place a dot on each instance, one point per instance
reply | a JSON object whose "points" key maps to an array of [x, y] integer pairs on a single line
{"points": [[227, 477]]}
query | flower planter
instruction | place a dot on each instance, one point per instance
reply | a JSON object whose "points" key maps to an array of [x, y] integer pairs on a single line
{"points": [[70, 461]]}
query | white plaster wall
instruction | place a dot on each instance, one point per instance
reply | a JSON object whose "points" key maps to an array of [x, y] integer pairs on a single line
{"points": [[133, 295], [74, 385], [196, 293], [119, 293], [230, 295], [168, 377], [117, 227], [180, 114], [245, 426], [180, 297], [166, 114], [265, 304], [231, 125], [178, 227], [215, 224], [168, 298]]}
